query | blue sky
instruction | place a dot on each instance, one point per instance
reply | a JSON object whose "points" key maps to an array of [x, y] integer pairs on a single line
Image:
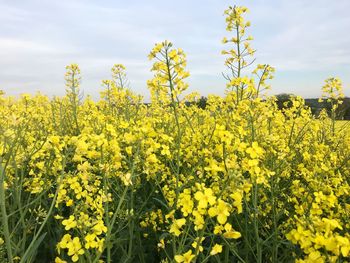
{"points": [[307, 42]]}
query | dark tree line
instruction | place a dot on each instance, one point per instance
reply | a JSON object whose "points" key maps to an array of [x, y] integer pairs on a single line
{"points": [[284, 101], [343, 111]]}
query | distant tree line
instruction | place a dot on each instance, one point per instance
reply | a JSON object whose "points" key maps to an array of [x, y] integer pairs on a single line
{"points": [[284, 101], [343, 111]]}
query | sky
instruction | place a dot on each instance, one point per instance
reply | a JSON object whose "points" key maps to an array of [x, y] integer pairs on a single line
{"points": [[306, 41]]}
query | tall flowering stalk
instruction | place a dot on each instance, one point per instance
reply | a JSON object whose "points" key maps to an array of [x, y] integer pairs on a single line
{"points": [[240, 56], [168, 84], [332, 93], [73, 78], [169, 73]]}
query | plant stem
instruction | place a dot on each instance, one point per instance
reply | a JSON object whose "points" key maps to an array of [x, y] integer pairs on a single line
{"points": [[4, 216]]}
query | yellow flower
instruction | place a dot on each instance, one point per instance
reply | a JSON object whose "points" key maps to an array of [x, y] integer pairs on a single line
{"points": [[69, 223], [90, 241], [315, 257], [216, 249], [126, 178], [185, 258], [64, 242], [75, 249], [100, 228], [255, 151], [177, 225], [161, 244], [221, 211], [186, 202], [198, 220], [218, 229], [197, 244], [205, 197], [237, 196], [230, 233], [58, 260], [58, 217], [129, 150], [344, 243]]}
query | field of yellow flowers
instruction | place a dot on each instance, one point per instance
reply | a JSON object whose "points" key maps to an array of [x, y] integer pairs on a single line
{"points": [[116, 180]]}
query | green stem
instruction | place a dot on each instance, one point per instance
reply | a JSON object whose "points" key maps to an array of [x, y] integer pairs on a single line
{"points": [[178, 138], [4, 217], [256, 224], [35, 238]]}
